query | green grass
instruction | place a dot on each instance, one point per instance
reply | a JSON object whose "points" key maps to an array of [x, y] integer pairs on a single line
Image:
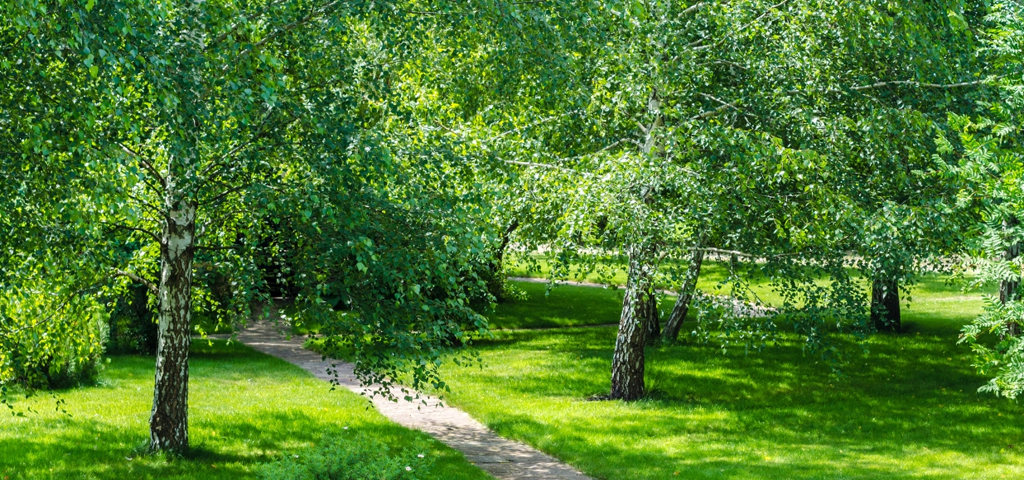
{"points": [[712, 275], [562, 306], [936, 306], [245, 408], [907, 409], [932, 288]]}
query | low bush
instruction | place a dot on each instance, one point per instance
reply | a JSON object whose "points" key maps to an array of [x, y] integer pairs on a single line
{"points": [[351, 456]]}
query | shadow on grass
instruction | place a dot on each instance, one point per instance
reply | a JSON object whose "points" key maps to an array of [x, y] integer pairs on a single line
{"points": [[902, 410], [85, 448], [245, 408]]}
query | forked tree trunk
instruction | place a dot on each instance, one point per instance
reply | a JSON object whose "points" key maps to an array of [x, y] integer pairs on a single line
{"points": [[168, 425], [682, 307], [885, 305], [628, 360], [652, 323]]}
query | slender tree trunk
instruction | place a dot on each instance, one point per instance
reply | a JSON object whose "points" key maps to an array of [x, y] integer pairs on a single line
{"points": [[1008, 288], [168, 425], [496, 283], [885, 304], [682, 306], [628, 360], [652, 323]]}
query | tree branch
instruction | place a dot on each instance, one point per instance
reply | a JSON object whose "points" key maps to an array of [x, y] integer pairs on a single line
{"points": [[145, 164], [152, 235], [541, 165], [699, 43], [150, 285], [692, 8], [215, 167], [915, 83], [712, 113], [144, 203], [718, 100], [234, 27], [282, 30], [227, 192], [229, 247], [534, 124]]}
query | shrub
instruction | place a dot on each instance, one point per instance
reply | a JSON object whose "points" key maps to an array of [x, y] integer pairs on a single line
{"points": [[49, 338], [351, 456]]}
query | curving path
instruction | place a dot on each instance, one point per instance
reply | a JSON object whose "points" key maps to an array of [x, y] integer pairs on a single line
{"points": [[503, 458]]}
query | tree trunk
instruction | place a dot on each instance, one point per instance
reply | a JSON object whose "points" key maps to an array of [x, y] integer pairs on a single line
{"points": [[168, 425], [1008, 288], [496, 282], [628, 360], [652, 323], [682, 307], [885, 305]]}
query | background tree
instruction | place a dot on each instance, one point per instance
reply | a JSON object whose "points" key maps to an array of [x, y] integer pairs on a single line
{"points": [[198, 130]]}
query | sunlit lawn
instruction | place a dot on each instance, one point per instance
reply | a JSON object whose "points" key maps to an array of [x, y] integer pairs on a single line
{"points": [[935, 306], [938, 296], [245, 408], [907, 409], [711, 279]]}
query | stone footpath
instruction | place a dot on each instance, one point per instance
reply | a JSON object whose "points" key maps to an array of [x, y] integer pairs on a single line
{"points": [[503, 458]]}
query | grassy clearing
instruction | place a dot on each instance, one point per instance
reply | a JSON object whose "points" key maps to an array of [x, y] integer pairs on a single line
{"points": [[907, 409], [245, 408]]}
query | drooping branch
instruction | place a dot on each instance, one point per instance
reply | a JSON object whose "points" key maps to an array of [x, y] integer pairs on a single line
{"points": [[221, 196], [693, 8], [217, 222], [53, 312], [214, 169]]}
